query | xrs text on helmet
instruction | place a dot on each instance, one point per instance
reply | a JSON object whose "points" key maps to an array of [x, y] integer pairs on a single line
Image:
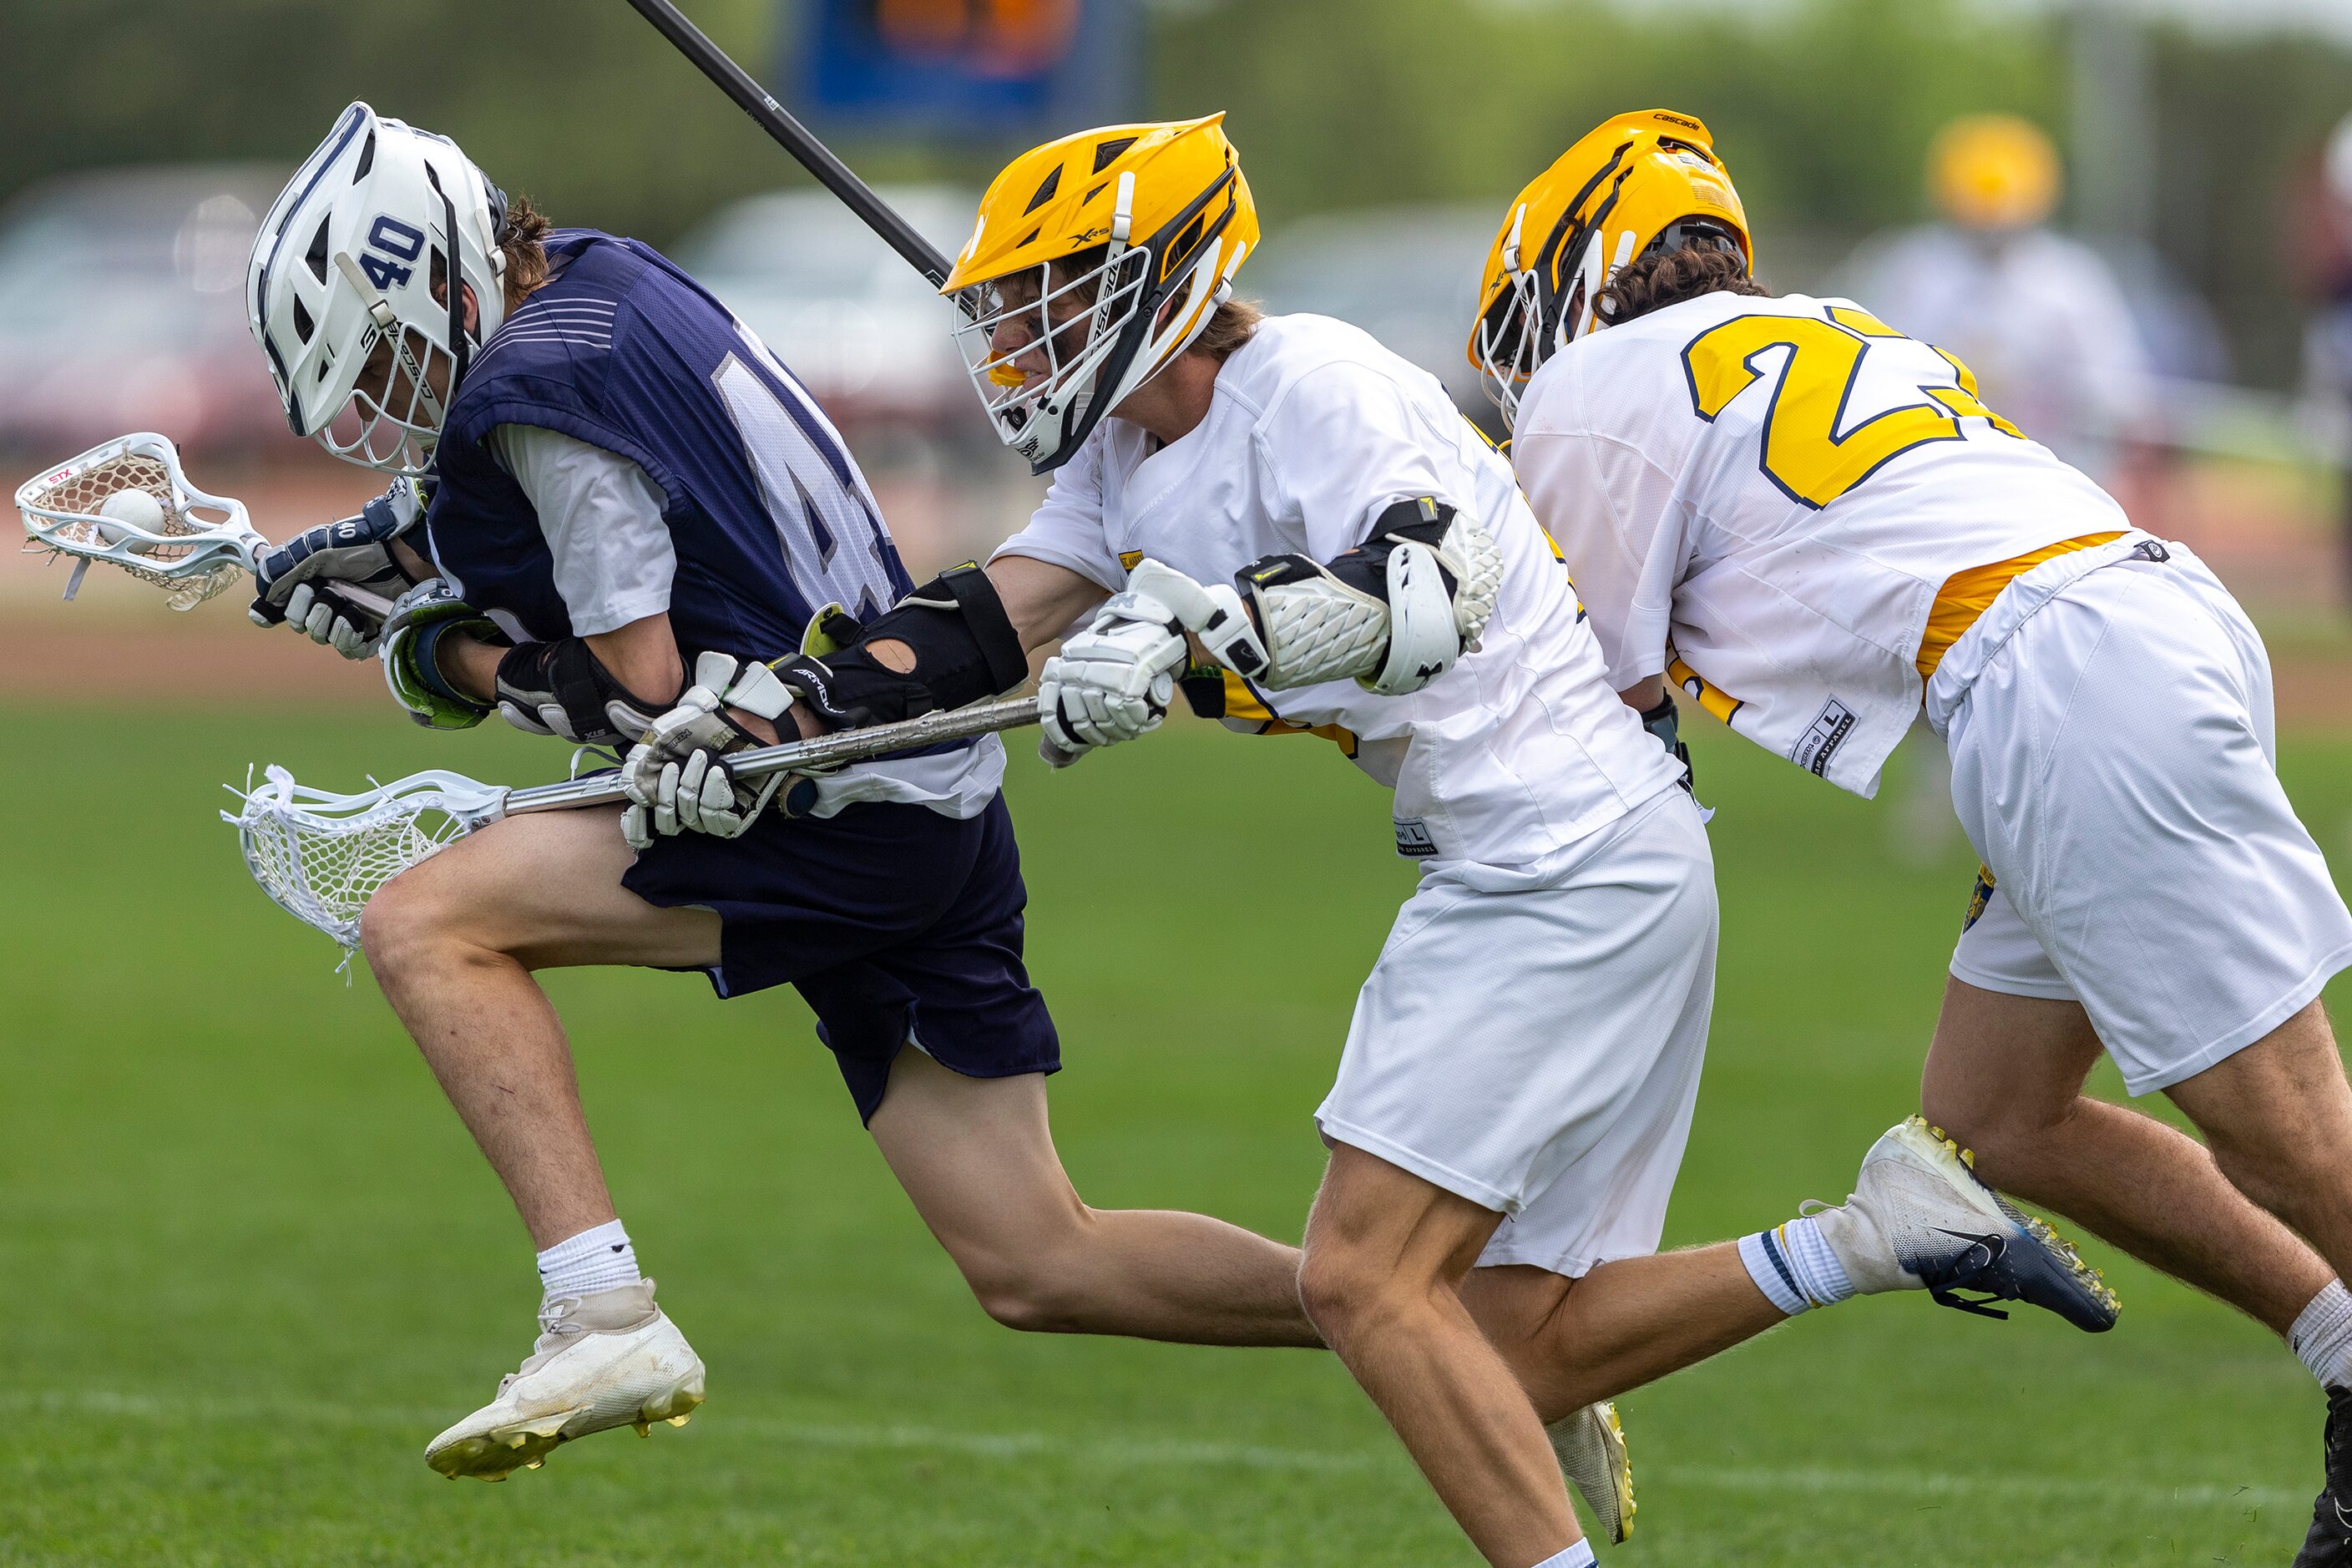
{"points": [[1096, 260], [1639, 184], [358, 285]]}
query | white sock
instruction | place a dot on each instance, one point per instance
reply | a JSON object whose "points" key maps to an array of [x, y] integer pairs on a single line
{"points": [[1793, 1266], [1577, 1556], [2322, 1336], [598, 1259]]}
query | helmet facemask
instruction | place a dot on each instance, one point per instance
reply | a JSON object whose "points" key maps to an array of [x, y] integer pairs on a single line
{"points": [[1093, 326], [361, 284]]}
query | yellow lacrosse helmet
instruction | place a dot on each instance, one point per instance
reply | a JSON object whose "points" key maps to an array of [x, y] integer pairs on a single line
{"points": [[1993, 172], [1138, 229], [1638, 182]]}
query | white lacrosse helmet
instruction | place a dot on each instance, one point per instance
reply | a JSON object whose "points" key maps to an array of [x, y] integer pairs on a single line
{"points": [[346, 262]]}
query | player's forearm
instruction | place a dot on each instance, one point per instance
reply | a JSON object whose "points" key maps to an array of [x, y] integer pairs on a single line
{"points": [[1644, 695], [1041, 600]]}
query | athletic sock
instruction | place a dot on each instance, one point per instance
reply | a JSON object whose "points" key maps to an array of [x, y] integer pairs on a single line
{"points": [[1577, 1556], [598, 1259], [1793, 1266], [2322, 1336]]}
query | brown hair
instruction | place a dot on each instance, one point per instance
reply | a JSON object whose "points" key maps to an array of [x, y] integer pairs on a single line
{"points": [[1653, 282], [1234, 324], [521, 238]]}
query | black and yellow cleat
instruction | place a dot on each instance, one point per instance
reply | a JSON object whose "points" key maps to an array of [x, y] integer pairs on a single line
{"points": [[2330, 1543], [1921, 1218]]}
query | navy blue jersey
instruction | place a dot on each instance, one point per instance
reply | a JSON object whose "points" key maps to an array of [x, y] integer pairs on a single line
{"points": [[769, 515]]}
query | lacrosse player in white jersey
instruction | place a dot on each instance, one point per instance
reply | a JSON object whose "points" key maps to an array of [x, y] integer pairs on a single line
{"points": [[1812, 525], [1299, 527]]}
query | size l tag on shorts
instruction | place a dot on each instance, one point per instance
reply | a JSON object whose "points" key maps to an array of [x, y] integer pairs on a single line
{"points": [[1821, 738], [1413, 839]]}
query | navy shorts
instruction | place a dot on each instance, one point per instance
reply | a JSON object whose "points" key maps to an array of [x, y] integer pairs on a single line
{"points": [[893, 922]]}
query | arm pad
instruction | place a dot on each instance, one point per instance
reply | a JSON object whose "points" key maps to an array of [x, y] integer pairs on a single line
{"points": [[1395, 613], [963, 647]]}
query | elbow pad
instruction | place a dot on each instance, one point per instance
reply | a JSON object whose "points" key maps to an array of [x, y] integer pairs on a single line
{"points": [[953, 637], [1393, 614]]}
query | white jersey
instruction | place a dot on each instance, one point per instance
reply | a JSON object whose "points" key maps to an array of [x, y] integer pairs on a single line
{"points": [[1763, 498], [1314, 430]]}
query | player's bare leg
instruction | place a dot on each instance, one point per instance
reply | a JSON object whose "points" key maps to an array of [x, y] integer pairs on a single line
{"points": [[1574, 1343], [977, 1157], [1385, 1258], [2004, 1077], [453, 943]]}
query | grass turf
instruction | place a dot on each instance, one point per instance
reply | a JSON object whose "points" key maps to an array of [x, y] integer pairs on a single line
{"points": [[252, 1262]]}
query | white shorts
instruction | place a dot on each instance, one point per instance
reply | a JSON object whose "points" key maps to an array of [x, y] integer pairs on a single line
{"points": [[1531, 1040], [2112, 762]]}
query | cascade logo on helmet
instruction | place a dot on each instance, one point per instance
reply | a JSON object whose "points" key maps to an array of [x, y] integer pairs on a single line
{"points": [[375, 278], [1638, 183], [1094, 261]]}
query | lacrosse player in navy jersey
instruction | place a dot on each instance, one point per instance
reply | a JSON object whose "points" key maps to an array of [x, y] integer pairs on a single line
{"points": [[624, 486]]}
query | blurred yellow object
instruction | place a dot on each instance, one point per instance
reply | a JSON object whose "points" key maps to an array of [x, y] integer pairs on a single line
{"points": [[1166, 210], [1994, 171], [1641, 181]]}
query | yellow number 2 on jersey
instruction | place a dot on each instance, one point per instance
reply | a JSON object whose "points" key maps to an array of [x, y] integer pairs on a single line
{"points": [[1807, 451]]}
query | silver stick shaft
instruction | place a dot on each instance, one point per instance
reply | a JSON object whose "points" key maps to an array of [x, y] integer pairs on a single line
{"points": [[841, 746]]}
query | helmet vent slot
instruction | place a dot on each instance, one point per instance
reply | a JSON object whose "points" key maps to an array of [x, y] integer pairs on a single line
{"points": [[1106, 152], [1031, 238], [304, 325], [367, 158], [1044, 191], [316, 257], [1181, 253]]}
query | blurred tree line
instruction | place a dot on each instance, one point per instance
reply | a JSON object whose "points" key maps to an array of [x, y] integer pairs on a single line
{"points": [[1824, 106]]}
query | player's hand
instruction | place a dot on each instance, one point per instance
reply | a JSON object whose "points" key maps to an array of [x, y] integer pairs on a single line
{"points": [[296, 579], [677, 777], [1114, 680]]}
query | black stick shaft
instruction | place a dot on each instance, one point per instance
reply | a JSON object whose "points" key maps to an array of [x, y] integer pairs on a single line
{"points": [[794, 138]]}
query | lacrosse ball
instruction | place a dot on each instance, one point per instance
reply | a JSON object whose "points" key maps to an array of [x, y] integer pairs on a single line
{"points": [[137, 510]]}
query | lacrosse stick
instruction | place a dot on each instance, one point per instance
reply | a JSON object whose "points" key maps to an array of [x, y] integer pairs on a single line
{"points": [[127, 503], [321, 856]]}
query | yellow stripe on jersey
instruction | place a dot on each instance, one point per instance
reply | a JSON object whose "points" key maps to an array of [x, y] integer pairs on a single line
{"points": [[1244, 705], [1966, 594], [1694, 686]]}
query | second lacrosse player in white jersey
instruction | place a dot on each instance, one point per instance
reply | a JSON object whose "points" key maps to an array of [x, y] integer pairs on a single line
{"points": [[1300, 527], [1810, 524]]}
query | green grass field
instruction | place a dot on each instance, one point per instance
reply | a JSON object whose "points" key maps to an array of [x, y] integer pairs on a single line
{"points": [[249, 1261]]}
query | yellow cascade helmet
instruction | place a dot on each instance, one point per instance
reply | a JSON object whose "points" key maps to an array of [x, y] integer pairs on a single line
{"points": [[1126, 238], [1638, 182], [1993, 172]]}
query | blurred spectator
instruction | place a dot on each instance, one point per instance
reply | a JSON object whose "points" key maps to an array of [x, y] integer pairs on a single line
{"points": [[2319, 251], [122, 309], [2042, 319], [2044, 322]]}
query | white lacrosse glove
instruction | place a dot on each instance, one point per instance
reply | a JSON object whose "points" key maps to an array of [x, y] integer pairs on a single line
{"points": [[296, 578], [1114, 680], [677, 777]]}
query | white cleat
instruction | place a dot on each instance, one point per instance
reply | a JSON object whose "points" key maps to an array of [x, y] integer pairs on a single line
{"points": [[1591, 1445], [606, 1360], [1921, 1218]]}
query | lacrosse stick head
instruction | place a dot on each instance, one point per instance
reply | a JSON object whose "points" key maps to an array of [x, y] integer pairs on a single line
{"points": [[321, 856], [97, 506]]}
